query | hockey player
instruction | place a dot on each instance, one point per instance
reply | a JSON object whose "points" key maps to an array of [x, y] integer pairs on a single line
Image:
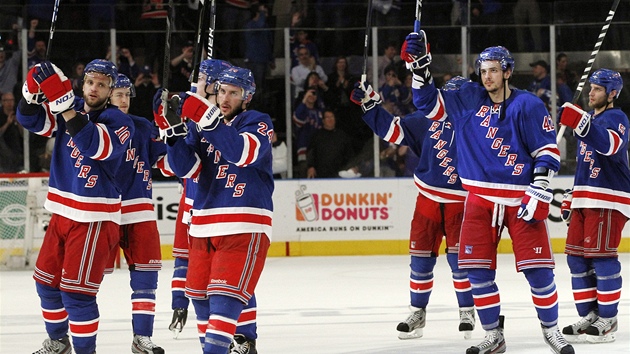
{"points": [[83, 196], [232, 203], [139, 236], [598, 208], [209, 70], [439, 205], [506, 155]]}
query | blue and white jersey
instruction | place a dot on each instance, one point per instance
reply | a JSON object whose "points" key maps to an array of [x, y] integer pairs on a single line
{"points": [[83, 185], [144, 152], [496, 154], [602, 176], [435, 175], [232, 167]]}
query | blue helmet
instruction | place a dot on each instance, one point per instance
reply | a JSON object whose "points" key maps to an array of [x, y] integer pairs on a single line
{"points": [[104, 67], [240, 77], [122, 81], [500, 54], [212, 68], [455, 83], [609, 79]]}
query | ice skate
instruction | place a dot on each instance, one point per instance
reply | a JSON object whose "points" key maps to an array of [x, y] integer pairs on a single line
{"points": [[242, 345], [56, 346], [556, 341], [575, 332], [602, 331], [467, 321], [144, 345], [412, 327], [178, 322], [492, 343]]}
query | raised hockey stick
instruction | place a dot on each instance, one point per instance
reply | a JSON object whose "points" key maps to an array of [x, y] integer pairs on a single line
{"points": [[416, 23], [213, 17], [366, 43], [53, 24], [166, 70], [589, 64], [197, 52]]}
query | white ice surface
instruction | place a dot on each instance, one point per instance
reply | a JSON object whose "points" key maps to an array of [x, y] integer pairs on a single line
{"points": [[320, 305]]}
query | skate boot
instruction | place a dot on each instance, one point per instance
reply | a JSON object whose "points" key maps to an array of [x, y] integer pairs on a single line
{"points": [[492, 343], [412, 327], [144, 345], [56, 346], [602, 331], [178, 322], [242, 345], [467, 321], [556, 341], [575, 332]]}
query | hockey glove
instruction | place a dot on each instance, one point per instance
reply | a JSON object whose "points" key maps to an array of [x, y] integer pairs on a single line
{"points": [[573, 116], [31, 91], [565, 208], [55, 85], [201, 111], [415, 51], [164, 109], [367, 98], [535, 203]]}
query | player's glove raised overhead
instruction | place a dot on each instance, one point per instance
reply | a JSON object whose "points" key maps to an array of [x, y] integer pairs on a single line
{"points": [[364, 96], [201, 111], [535, 203], [55, 85], [31, 91], [417, 56], [576, 118], [165, 116], [565, 208]]}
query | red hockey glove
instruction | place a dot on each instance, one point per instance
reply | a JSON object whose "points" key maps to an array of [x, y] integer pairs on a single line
{"points": [[167, 120], [565, 208], [55, 85], [31, 91], [201, 111], [364, 96], [575, 117]]}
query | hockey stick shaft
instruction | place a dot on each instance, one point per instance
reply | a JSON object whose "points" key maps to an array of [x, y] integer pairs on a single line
{"points": [[416, 23], [366, 43], [166, 70], [213, 17], [589, 64], [53, 24], [197, 52]]}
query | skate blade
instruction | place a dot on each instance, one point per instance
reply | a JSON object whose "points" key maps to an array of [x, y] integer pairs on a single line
{"points": [[415, 334], [607, 338], [575, 338]]}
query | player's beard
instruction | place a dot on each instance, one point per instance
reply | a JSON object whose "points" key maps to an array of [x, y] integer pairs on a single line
{"points": [[598, 103], [96, 103]]}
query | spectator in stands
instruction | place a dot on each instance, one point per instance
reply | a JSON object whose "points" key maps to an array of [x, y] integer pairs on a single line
{"points": [[181, 68], [300, 72], [307, 119], [147, 83], [527, 15], [562, 67], [313, 80], [153, 21], [300, 38], [8, 70], [36, 47], [340, 83], [259, 51], [232, 17], [11, 137], [329, 150], [76, 77], [389, 58], [279, 153], [541, 85], [288, 13], [125, 62], [392, 91]]}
